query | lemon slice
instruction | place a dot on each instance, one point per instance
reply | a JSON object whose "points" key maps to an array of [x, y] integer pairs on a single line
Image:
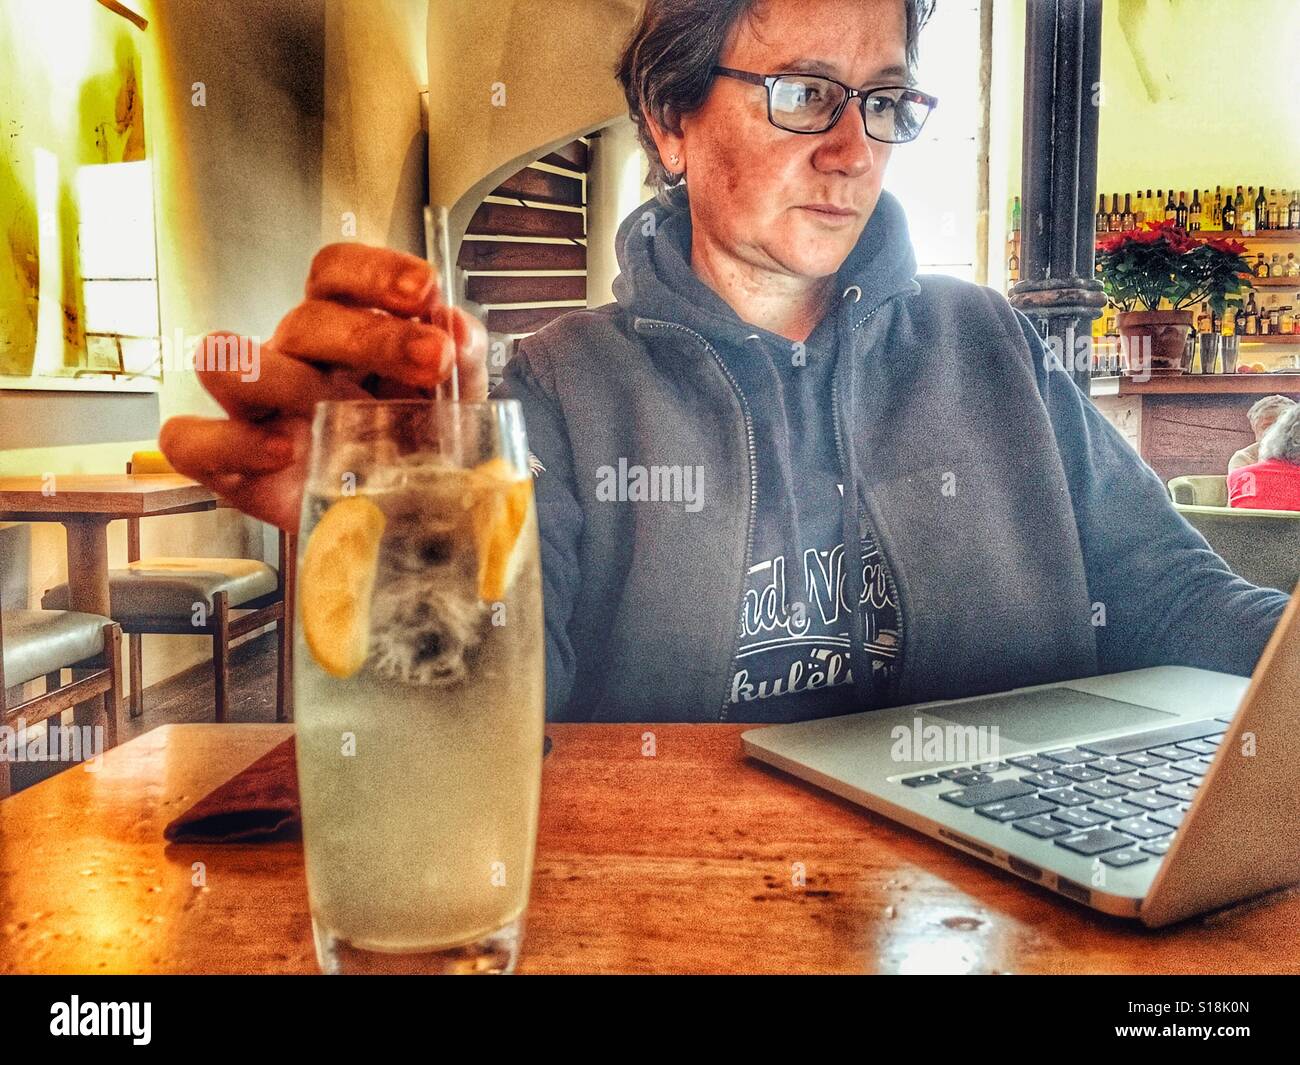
{"points": [[500, 504], [335, 584]]}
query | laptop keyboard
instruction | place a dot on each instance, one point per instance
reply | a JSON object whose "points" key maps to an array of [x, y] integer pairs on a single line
{"points": [[1120, 800]]}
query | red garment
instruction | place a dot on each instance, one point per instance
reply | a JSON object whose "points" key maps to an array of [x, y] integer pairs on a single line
{"points": [[1271, 485]]}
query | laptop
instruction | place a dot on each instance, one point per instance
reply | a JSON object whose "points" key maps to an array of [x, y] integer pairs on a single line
{"points": [[1155, 794]]}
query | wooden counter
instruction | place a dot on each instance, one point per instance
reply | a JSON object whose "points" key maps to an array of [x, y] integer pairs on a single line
{"points": [[1192, 423], [1195, 384]]}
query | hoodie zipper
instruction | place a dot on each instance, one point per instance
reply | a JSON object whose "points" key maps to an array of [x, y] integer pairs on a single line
{"points": [[753, 477], [855, 550]]}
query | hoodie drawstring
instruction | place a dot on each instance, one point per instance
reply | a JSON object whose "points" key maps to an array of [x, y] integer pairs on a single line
{"points": [[859, 662], [783, 447]]}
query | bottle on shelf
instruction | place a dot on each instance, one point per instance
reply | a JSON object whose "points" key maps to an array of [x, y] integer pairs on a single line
{"points": [[1194, 212], [1261, 266], [1230, 213], [1171, 208], [1128, 222], [1204, 320], [1261, 210], [1116, 215], [1147, 211], [1252, 317], [1294, 210], [1277, 268], [1247, 220], [1103, 218], [1286, 326], [1292, 268], [1216, 219], [1274, 213]]}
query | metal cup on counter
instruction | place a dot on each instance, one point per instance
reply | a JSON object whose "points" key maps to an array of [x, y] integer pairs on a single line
{"points": [[1208, 343], [1229, 349]]}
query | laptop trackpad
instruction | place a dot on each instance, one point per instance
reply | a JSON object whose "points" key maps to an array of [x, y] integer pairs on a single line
{"points": [[1050, 714]]}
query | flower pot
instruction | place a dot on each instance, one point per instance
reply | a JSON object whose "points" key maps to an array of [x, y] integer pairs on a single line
{"points": [[1156, 341]]}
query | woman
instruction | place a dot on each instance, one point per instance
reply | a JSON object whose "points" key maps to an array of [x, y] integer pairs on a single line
{"points": [[1272, 483], [1262, 416], [852, 434]]}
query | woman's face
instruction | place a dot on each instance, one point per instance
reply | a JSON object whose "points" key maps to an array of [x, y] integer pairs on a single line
{"points": [[751, 184]]}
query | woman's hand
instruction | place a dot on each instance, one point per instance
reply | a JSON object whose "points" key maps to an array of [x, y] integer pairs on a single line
{"points": [[371, 325]]}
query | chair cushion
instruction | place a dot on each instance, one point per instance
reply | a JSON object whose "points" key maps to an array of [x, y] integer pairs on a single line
{"points": [[1263, 546], [1200, 490], [169, 587], [37, 642]]}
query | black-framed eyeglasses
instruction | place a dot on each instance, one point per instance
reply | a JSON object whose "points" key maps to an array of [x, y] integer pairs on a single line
{"points": [[809, 103]]}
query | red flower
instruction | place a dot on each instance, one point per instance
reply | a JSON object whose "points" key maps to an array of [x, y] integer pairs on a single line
{"points": [[1228, 246]]}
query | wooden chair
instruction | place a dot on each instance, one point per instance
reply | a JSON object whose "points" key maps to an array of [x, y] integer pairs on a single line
{"points": [[224, 598], [43, 643]]}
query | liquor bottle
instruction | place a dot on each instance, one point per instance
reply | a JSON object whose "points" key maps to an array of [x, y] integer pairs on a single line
{"points": [[1116, 215], [1261, 210], [1204, 320], [1171, 208], [1292, 267], [1103, 219], [1261, 266], [1230, 214], [1274, 221], [1146, 215], [1218, 207], [1294, 210], [1246, 218], [1180, 215], [1286, 325], [1252, 317], [1128, 223], [1277, 268], [1015, 217], [1194, 215]]}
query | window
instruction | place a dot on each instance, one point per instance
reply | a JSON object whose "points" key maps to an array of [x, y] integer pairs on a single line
{"points": [[938, 178], [80, 308]]}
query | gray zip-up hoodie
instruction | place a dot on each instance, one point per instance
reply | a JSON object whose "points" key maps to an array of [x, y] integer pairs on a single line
{"points": [[1027, 540]]}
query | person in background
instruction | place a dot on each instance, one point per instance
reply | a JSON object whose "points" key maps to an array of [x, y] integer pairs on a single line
{"points": [[1262, 417], [1273, 483]]}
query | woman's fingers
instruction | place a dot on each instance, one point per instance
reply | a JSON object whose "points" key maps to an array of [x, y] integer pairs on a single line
{"points": [[401, 284], [367, 341], [277, 384], [258, 468], [205, 447]]}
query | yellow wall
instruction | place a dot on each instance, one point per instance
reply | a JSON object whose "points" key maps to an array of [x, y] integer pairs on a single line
{"points": [[375, 150], [1224, 104], [1227, 104]]}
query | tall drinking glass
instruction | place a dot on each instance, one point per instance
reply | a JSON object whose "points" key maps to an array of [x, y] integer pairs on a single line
{"points": [[419, 685]]}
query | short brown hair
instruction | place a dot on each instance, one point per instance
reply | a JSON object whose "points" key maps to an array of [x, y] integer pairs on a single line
{"points": [[666, 66]]}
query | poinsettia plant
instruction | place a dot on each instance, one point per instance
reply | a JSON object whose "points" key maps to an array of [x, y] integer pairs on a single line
{"points": [[1161, 261]]}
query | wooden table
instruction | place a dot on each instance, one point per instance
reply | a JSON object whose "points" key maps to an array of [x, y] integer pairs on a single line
{"points": [[681, 862], [84, 504]]}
